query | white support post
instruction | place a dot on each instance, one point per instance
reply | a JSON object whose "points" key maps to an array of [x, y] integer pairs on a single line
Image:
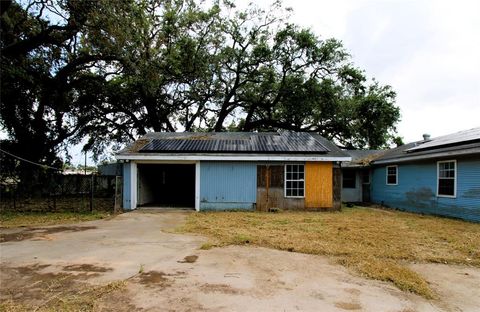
{"points": [[197, 185], [133, 185]]}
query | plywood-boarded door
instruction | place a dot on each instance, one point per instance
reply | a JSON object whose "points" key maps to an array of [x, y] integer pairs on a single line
{"points": [[318, 185]]}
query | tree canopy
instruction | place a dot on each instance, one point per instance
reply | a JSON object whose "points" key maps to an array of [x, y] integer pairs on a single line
{"points": [[109, 71]]}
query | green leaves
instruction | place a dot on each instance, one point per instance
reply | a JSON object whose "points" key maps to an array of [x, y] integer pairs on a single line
{"points": [[114, 70]]}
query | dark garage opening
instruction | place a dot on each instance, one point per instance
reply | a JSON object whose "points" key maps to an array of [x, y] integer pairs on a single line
{"points": [[166, 185]]}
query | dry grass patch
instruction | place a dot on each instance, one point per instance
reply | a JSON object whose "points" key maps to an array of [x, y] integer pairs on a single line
{"points": [[11, 219], [88, 298], [377, 243]]}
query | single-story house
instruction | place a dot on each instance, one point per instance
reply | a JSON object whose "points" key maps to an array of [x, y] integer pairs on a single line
{"points": [[438, 176], [232, 171], [356, 175]]}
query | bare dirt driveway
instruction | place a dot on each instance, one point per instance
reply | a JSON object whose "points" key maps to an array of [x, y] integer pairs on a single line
{"points": [[64, 267]]}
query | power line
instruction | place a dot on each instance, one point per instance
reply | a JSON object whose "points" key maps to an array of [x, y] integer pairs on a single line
{"points": [[29, 161]]}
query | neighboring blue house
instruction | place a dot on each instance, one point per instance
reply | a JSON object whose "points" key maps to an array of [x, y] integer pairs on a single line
{"points": [[438, 176]]}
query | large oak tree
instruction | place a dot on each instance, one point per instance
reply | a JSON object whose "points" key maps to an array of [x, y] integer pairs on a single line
{"points": [[110, 71]]}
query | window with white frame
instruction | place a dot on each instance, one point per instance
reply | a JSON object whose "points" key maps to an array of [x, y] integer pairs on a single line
{"points": [[446, 175], [295, 180], [392, 175]]}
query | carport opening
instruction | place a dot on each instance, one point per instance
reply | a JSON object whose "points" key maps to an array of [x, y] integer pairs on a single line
{"points": [[166, 185]]}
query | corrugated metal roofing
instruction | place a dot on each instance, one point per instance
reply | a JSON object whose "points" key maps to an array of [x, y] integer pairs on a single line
{"points": [[469, 145], [231, 142], [461, 137]]}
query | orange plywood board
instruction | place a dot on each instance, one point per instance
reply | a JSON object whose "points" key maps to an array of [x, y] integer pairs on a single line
{"points": [[318, 185]]}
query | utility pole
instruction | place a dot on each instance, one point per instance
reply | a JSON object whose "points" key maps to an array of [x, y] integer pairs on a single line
{"points": [[85, 168]]}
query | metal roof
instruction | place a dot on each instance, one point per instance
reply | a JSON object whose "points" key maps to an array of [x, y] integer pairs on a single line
{"points": [[446, 146], [461, 137], [232, 146], [233, 142]]}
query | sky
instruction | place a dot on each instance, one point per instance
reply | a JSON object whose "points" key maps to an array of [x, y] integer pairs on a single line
{"points": [[428, 51]]}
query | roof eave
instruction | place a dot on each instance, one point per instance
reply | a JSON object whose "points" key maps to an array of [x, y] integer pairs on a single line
{"points": [[230, 157], [348, 165], [427, 156]]}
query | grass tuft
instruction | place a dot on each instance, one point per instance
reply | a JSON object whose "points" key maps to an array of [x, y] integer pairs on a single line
{"points": [[389, 271], [241, 239], [207, 246], [378, 244]]}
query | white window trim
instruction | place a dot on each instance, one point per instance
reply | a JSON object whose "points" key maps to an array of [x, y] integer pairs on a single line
{"points": [[454, 181], [396, 175], [285, 181]]}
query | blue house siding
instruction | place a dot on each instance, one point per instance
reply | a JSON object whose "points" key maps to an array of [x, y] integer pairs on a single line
{"points": [[417, 189], [228, 185]]}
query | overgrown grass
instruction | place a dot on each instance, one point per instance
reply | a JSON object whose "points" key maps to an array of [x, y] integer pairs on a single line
{"points": [[16, 219], [376, 243]]}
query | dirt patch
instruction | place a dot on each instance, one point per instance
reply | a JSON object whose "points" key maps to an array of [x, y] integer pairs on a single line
{"points": [[348, 306], [16, 237], [189, 259], [459, 283], [86, 268], [318, 296], [32, 268], [41, 233], [153, 279], [28, 288], [353, 291], [31, 283], [219, 288]]}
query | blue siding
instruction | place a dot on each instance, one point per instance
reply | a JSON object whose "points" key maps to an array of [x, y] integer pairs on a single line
{"points": [[417, 189], [127, 168], [228, 185]]}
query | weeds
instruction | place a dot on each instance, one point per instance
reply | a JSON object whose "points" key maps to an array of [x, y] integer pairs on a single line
{"points": [[206, 246], [10, 219], [86, 298]]}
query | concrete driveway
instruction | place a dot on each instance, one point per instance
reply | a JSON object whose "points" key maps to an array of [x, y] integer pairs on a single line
{"points": [[168, 272]]}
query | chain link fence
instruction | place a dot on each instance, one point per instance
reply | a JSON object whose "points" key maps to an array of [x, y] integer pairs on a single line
{"points": [[64, 192]]}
